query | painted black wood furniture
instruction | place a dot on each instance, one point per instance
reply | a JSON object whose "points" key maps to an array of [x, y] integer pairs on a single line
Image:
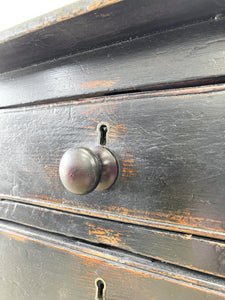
{"points": [[146, 80]]}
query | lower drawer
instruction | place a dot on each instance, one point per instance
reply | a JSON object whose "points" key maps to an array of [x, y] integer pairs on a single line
{"points": [[40, 265]]}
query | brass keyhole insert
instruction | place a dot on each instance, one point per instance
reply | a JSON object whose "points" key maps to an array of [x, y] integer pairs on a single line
{"points": [[100, 289]]}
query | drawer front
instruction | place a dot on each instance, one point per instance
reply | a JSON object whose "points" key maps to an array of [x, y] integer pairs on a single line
{"points": [[37, 265], [170, 149]]}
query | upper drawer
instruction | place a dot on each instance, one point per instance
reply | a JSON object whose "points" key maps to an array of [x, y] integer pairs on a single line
{"points": [[170, 146]]}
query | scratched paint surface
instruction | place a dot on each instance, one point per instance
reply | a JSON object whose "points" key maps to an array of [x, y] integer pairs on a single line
{"points": [[186, 250], [67, 12], [39, 266], [105, 236], [170, 151]]}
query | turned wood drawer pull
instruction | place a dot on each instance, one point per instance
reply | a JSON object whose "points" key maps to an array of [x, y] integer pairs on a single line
{"points": [[82, 170]]}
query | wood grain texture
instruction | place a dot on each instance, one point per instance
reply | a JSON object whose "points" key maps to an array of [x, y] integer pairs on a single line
{"points": [[170, 150], [188, 251], [182, 56], [38, 265], [88, 24]]}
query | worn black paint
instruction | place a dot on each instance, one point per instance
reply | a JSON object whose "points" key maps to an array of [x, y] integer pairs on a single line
{"points": [[181, 56], [171, 151], [38, 265], [170, 148], [204, 255], [86, 25]]}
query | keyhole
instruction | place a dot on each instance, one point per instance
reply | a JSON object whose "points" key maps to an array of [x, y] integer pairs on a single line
{"points": [[103, 130], [100, 289]]}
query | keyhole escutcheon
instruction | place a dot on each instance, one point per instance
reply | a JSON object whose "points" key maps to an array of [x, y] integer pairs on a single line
{"points": [[103, 132], [100, 289]]}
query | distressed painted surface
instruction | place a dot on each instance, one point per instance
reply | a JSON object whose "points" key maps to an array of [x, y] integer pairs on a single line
{"points": [[178, 57], [170, 150], [70, 11], [88, 24], [186, 250], [36, 265]]}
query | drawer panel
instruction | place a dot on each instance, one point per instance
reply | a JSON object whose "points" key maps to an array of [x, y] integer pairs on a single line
{"points": [[170, 146], [37, 265]]}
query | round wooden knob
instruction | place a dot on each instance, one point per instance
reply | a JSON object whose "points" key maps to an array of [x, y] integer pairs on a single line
{"points": [[82, 170]]}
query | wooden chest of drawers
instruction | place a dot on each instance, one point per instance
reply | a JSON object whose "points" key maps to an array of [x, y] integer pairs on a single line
{"points": [[156, 79]]}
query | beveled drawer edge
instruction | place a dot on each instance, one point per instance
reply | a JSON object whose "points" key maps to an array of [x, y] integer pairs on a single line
{"points": [[121, 218], [172, 247]]}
